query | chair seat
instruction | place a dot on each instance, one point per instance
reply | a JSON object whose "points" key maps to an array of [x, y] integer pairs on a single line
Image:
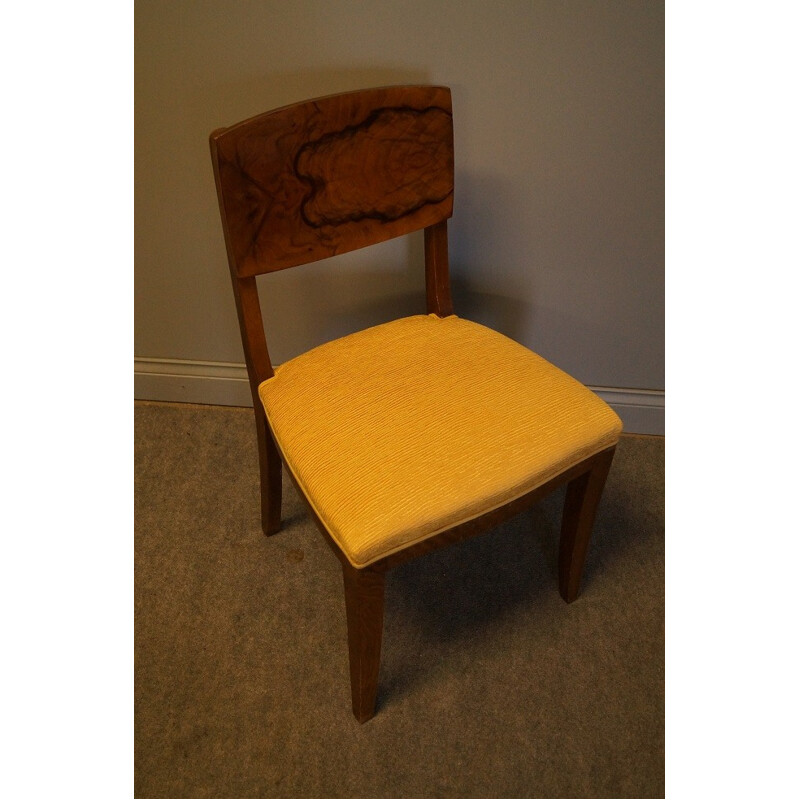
{"points": [[404, 430]]}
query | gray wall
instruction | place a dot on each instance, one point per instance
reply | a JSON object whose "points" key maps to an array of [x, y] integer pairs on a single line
{"points": [[557, 238]]}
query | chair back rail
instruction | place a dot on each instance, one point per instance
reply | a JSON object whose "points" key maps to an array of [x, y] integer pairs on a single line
{"points": [[324, 177]]}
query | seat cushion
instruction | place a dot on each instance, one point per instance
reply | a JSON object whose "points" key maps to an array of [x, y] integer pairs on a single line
{"points": [[404, 430]]}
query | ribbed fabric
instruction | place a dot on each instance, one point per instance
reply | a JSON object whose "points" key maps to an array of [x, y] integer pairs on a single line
{"points": [[406, 429]]}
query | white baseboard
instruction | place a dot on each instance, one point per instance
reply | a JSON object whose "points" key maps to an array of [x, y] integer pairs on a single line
{"points": [[172, 380], [221, 383]]}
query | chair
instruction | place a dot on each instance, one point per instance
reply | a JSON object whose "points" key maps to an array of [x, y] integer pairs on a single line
{"points": [[416, 433]]}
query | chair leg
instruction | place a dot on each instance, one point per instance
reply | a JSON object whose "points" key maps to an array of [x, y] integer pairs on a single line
{"points": [[363, 595], [269, 462], [580, 507]]}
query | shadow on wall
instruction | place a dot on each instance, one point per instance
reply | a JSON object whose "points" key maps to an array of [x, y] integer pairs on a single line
{"points": [[315, 303], [488, 284], [506, 315]]}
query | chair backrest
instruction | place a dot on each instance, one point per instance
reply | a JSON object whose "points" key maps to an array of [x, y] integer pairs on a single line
{"points": [[326, 176], [323, 177]]}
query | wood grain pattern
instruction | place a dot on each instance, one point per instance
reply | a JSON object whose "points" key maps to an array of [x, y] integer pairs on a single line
{"points": [[315, 179], [387, 167]]}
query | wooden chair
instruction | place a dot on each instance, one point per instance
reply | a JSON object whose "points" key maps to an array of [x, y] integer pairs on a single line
{"points": [[417, 433]]}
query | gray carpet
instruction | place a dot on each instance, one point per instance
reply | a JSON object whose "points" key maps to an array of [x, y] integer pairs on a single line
{"points": [[490, 685]]}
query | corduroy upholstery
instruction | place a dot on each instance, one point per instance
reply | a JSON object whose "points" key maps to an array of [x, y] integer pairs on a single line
{"points": [[404, 430]]}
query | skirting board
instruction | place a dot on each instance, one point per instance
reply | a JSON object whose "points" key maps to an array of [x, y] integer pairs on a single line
{"points": [[220, 383]]}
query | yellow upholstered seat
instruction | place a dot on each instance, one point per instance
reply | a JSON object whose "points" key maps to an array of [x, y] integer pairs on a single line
{"points": [[404, 430]]}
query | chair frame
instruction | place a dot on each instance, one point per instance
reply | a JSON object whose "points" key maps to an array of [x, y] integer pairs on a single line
{"points": [[364, 587]]}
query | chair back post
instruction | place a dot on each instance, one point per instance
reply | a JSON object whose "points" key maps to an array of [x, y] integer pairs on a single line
{"points": [[437, 271], [245, 292], [254, 340]]}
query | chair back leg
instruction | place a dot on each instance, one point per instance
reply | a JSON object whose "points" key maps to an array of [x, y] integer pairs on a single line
{"points": [[363, 594], [269, 462], [580, 507]]}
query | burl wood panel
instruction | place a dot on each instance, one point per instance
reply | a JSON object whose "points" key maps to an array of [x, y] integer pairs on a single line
{"points": [[315, 179]]}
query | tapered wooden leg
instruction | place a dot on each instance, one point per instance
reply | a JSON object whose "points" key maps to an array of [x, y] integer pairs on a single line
{"points": [[580, 508], [363, 594], [269, 462]]}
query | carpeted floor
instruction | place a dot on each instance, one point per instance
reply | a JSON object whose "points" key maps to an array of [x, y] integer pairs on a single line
{"points": [[490, 685]]}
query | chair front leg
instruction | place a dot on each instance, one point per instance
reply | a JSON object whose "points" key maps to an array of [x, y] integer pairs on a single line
{"points": [[580, 508], [363, 594], [269, 462]]}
